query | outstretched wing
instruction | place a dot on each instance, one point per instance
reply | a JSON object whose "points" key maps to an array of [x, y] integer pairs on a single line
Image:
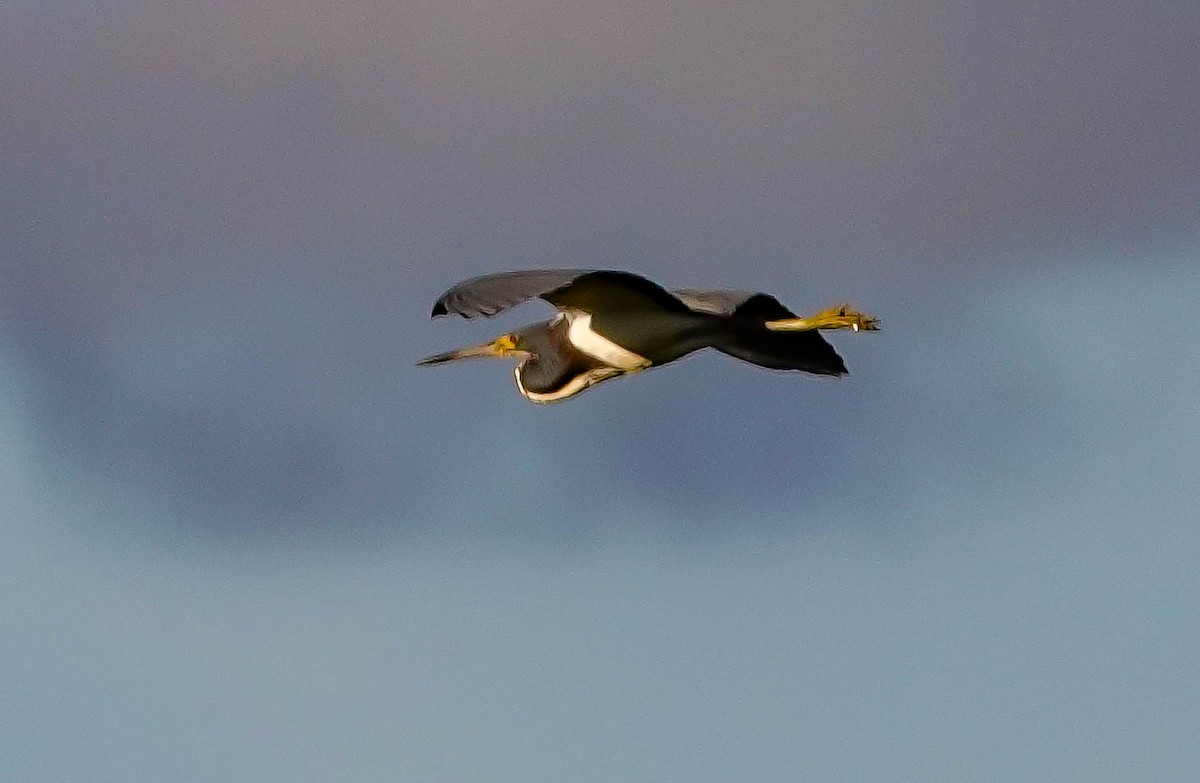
{"points": [[586, 289], [491, 294]]}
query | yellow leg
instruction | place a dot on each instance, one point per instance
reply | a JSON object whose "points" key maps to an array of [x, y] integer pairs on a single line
{"points": [[840, 317]]}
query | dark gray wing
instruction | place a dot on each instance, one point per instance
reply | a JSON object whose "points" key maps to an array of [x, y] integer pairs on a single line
{"points": [[491, 294], [741, 304]]}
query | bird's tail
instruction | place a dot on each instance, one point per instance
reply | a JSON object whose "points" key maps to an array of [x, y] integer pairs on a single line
{"points": [[806, 351]]}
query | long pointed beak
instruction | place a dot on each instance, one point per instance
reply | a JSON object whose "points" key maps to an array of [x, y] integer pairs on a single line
{"points": [[501, 346]]}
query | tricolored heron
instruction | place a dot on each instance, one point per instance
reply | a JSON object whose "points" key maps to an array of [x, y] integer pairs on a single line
{"points": [[615, 323]]}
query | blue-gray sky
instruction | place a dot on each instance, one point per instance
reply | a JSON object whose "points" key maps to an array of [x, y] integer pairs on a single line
{"points": [[244, 538]]}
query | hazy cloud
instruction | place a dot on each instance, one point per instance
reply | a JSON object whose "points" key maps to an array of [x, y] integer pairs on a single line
{"points": [[245, 539]]}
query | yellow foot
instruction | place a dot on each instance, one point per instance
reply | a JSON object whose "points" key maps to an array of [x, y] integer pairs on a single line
{"points": [[840, 317]]}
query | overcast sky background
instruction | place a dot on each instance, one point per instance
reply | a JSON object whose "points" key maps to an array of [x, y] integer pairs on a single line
{"points": [[242, 538]]}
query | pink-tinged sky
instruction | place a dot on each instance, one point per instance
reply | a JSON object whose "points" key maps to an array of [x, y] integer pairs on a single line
{"points": [[242, 538]]}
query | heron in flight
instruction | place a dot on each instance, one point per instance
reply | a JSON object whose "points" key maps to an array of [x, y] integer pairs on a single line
{"points": [[616, 323]]}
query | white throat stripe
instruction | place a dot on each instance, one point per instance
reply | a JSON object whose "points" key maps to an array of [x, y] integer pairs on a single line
{"points": [[571, 388], [599, 347]]}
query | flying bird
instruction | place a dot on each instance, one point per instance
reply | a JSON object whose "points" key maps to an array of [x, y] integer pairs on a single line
{"points": [[612, 323]]}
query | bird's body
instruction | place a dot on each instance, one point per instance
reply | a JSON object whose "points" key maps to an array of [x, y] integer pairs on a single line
{"points": [[614, 323]]}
